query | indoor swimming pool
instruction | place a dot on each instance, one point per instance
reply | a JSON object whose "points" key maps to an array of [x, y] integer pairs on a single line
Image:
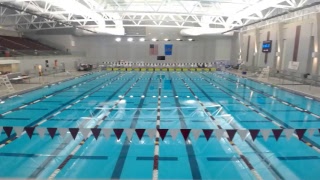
{"points": [[160, 125]]}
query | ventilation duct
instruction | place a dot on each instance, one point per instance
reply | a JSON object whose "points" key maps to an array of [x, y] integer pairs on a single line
{"points": [[203, 31], [100, 31]]}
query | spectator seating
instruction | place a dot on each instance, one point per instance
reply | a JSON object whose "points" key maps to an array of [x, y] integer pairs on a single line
{"points": [[24, 46]]}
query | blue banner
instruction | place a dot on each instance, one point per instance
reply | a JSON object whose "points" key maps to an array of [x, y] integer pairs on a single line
{"points": [[168, 49]]}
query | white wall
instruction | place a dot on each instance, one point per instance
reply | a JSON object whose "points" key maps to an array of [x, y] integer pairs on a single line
{"points": [[4, 32], [284, 32], [28, 63], [104, 48]]}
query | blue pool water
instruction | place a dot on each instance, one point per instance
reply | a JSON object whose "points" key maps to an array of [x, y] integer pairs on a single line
{"points": [[187, 100]]}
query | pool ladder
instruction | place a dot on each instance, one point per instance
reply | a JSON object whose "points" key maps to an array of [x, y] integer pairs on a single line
{"points": [[7, 83]]}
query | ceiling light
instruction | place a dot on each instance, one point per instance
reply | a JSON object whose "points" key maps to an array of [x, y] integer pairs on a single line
{"points": [[130, 39], [142, 39], [154, 39], [166, 39], [190, 39], [178, 39], [118, 39]]}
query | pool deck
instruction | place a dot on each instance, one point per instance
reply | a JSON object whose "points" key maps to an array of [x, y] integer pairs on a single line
{"points": [[293, 86], [36, 82]]}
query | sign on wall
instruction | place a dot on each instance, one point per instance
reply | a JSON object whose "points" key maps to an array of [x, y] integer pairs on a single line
{"points": [[293, 65], [168, 49], [266, 46], [161, 57]]}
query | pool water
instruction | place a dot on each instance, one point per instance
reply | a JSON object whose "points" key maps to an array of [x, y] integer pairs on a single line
{"points": [[170, 101]]}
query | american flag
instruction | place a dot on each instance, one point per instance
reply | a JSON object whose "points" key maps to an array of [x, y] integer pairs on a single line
{"points": [[153, 50]]}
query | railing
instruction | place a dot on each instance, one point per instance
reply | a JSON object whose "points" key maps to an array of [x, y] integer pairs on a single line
{"points": [[43, 55], [17, 53]]}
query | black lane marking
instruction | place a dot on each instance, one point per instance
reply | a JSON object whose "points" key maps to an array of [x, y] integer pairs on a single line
{"points": [[202, 121], [264, 93], [279, 87], [273, 170], [295, 158], [54, 93], [43, 155], [49, 114], [14, 119], [306, 121], [62, 145], [156, 142], [193, 163], [276, 110], [37, 88], [223, 158], [63, 106], [249, 110], [255, 121], [283, 124], [117, 171], [44, 98], [49, 101], [65, 143], [141, 158], [62, 119]]}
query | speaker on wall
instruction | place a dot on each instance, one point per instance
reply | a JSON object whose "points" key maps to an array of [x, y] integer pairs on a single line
{"points": [[47, 63]]}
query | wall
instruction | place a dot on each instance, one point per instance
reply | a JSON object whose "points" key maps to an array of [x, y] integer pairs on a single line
{"points": [[105, 48], [4, 32], [28, 63], [283, 36]]}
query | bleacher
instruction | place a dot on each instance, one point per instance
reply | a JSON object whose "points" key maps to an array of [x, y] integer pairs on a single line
{"points": [[20, 46]]}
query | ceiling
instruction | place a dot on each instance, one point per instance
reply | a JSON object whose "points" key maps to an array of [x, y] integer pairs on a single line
{"points": [[113, 16]]}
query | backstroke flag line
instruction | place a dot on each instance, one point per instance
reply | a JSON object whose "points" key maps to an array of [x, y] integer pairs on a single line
{"points": [[131, 133], [153, 50], [168, 49]]}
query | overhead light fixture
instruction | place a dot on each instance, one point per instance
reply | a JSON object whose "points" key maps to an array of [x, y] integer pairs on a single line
{"points": [[154, 39], [118, 39], [178, 39], [166, 39], [142, 39], [190, 39], [130, 39]]}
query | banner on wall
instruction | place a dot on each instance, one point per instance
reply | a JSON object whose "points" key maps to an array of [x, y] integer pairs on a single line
{"points": [[168, 49], [153, 49]]}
